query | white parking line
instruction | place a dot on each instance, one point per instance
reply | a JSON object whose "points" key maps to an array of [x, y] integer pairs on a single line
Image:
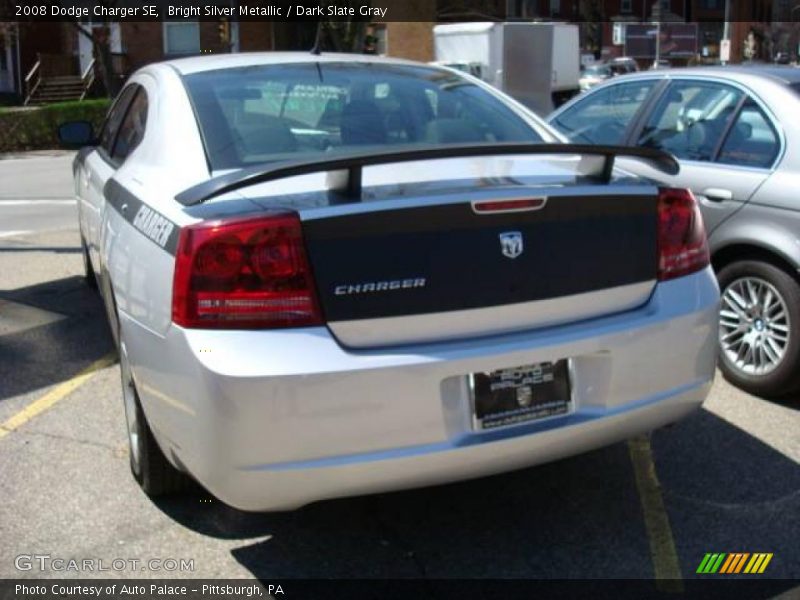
{"points": [[4, 234]]}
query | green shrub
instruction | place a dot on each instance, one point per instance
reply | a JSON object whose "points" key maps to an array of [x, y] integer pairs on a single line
{"points": [[35, 129]]}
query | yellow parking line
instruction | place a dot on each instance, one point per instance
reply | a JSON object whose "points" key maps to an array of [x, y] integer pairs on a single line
{"points": [[62, 390], [659, 533]]}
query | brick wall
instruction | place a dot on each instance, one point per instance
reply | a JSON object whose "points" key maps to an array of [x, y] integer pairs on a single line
{"points": [[142, 42], [255, 36], [410, 40]]}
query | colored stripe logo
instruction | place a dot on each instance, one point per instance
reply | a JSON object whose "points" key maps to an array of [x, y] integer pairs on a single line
{"points": [[734, 562]]}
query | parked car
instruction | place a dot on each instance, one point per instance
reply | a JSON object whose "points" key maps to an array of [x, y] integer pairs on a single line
{"points": [[782, 58], [338, 274], [735, 133], [594, 74], [622, 65]]}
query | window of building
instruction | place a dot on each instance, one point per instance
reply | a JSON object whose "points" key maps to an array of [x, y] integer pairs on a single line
{"points": [[555, 7], [181, 38], [626, 6]]}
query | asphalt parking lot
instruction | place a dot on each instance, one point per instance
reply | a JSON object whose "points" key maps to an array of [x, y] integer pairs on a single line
{"points": [[724, 480]]}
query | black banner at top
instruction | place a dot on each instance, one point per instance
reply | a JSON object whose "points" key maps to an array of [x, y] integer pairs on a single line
{"points": [[337, 10], [235, 10]]}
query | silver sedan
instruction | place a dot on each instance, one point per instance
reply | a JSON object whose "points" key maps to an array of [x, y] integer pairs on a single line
{"points": [[334, 275], [736, 134]]}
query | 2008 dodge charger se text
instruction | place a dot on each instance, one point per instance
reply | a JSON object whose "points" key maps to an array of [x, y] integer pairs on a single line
{"points": [[332, 275]]}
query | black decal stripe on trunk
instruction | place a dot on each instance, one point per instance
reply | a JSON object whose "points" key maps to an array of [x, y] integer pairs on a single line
{"points": [[574, 245], [152, 224]]}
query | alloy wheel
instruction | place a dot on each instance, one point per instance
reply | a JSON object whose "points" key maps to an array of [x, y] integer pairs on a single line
{"points": [[754, 326]]}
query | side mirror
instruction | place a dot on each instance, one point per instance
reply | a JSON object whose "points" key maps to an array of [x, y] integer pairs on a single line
{"points": [[76, 134]]}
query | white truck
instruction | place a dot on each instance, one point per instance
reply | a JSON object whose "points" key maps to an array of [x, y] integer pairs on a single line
{"points": [[536, 63]]}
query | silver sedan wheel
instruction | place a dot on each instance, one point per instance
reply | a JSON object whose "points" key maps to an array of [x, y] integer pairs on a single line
{"points": [[754, 326], [131, 412]]}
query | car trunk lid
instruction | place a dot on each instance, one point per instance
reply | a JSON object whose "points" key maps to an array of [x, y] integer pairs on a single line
{"points": [[447, 267]]}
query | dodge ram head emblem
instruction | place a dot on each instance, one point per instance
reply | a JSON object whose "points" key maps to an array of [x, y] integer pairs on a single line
{"points": [[511, 244]]}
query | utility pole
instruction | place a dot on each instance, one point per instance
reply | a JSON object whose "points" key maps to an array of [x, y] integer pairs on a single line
{"points": [[726, 28], [658, 44], [656, 16]]}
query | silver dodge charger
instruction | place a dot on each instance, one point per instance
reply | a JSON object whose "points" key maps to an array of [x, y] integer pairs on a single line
{"points": [[333, 275]]}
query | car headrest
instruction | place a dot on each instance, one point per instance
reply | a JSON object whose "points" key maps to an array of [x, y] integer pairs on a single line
{"points": [[362, 124]]}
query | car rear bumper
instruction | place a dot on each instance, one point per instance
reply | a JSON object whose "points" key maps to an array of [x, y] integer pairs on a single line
{"points": [[274, 420]]}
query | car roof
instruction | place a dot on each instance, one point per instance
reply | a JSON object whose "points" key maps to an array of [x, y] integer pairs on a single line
{"points": [[198, 64], [779, 73]]}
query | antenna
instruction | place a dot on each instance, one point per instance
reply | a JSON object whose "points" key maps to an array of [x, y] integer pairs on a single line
{"points": [[317, 48]]}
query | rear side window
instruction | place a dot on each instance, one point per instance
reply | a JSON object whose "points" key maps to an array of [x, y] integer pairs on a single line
{"points": [[114, 118], [690, 119], [256, 114], [752, 141], [131, 131], [603, 116]]}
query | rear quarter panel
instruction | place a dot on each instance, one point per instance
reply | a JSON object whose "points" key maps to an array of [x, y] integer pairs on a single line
{"points": [[169, 159]]}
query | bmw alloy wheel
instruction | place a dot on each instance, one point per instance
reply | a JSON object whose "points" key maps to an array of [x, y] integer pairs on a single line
{"points": [[754, 326]]}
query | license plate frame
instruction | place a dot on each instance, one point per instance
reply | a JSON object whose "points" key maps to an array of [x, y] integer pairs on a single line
{"points": [[517, 395]]}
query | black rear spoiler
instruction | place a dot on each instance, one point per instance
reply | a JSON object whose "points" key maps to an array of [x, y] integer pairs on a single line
{"points": [[354, 163]]}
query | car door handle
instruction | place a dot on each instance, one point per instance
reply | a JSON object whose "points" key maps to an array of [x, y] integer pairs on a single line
{"points": [[718, 194]]}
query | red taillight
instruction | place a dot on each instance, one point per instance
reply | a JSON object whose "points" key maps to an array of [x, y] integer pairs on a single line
{"points": [[682, 244], [244, 274]]}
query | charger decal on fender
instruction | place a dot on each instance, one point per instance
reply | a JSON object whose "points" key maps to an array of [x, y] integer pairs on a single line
{"points": [[153, 225], [150, 223]]}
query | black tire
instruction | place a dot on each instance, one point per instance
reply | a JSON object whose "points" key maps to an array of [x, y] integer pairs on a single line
{"points": [[783, 377], [88, 272], [151, 469]]}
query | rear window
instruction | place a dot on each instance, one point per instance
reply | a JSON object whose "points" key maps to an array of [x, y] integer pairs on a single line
{"points": [[251, 115], [598, 70]]}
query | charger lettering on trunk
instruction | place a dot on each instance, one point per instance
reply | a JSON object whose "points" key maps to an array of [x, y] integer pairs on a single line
{"points": [[379, 286], [153, 225]]}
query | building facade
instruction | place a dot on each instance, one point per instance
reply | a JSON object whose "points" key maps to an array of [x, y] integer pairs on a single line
{"points": [[67, 49], [760, 30]]}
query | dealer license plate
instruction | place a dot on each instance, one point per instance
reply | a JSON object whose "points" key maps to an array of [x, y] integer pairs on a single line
{"points": [[520, 394]]}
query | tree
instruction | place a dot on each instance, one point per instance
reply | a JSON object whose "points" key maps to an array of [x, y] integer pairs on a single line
{"points": [[591, 15], [342, 34], [100, 37], [8, 30], [101, 49]]}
